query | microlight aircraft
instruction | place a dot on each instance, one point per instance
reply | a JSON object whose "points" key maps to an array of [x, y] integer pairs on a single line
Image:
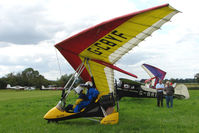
{"points": [[15, 87], [93, 53], [51, 87], [130, 88], [20, 87], [155, 74]]}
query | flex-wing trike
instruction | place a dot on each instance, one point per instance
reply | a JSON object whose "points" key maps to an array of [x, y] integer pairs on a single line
{"points": [[102, 109], [104, 44]]}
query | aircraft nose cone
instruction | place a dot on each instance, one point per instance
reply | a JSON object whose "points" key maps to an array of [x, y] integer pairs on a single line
{"points": [[51, 114], [46, 116]]}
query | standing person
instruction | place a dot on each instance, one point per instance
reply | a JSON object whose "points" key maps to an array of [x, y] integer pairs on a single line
{"points": [[160, 88], [169, 94]]}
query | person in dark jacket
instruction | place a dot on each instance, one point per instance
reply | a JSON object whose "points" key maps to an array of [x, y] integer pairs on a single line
{"points": [[169, 94]]}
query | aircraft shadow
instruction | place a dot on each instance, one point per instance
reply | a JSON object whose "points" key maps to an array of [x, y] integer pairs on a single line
{"points": [[78, 122]]}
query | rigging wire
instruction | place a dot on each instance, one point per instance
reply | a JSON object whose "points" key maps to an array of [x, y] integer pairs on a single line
{"points": [[58, 63]]}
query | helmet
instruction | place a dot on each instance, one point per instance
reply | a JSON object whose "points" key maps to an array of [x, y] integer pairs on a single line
{"points": [[78, 89], [89, 84]]}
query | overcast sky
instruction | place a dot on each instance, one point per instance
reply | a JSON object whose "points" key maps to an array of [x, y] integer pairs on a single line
{"points": [[29, 29]]}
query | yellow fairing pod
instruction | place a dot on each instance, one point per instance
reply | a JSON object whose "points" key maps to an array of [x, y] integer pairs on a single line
{"points": [[55, 113]]}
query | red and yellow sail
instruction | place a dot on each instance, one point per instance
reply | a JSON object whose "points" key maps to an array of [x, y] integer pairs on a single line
{"points": [[110, 40]]}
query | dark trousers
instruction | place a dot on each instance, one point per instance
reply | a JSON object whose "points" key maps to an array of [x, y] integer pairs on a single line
{"points": [[160, 99], [169, 99]]}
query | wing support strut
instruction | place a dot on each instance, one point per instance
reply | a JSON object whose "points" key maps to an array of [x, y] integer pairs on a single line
{"points": [[114, 67], [68, 87]]}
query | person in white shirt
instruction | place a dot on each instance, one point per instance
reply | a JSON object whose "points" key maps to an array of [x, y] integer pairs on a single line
{"points": [[160, 88]]}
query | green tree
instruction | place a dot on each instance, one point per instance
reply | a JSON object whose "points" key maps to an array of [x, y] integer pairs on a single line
{"points": [[3, 83], [11, 79], [28, 77], [197, 77], [65, 78], [31, 77]]}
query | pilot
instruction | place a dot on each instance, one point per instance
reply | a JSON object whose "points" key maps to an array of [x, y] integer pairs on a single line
{"points": [[82, 97], [85, 99]]}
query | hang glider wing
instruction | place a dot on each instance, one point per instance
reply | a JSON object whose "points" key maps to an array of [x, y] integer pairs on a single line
{"points": [[154, 71], [107, 42]]}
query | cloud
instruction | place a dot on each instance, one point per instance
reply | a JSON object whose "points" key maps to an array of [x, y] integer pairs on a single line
{"points": [[26, 25], [36, 21], [133, 58], [29, 33], [42, 57]]}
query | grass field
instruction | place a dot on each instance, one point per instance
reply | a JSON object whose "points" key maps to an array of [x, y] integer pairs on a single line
{"points": [[22, 112]]}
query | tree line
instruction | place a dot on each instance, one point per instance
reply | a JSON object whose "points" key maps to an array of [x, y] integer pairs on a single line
{"points": [[31, 77]]}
